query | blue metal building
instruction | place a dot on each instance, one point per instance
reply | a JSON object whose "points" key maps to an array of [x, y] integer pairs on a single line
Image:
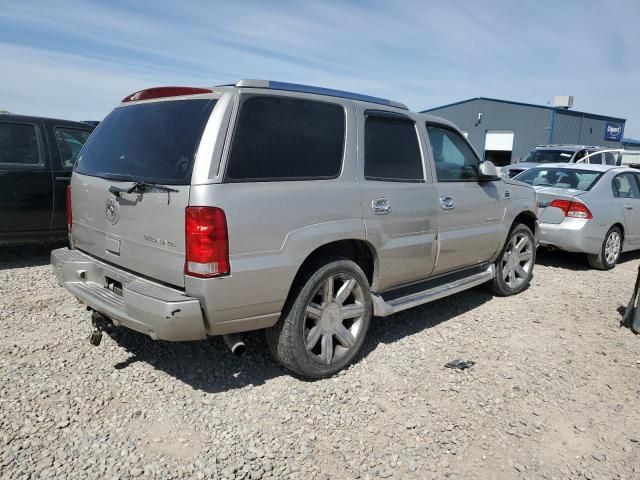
{"points": [[503, 130]]}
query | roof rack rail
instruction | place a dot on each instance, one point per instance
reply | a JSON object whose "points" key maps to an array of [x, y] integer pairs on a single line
{"points": [[295, 87]]}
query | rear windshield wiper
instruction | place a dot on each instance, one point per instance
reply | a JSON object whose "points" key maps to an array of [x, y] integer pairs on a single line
{"points": [[140, 187]]}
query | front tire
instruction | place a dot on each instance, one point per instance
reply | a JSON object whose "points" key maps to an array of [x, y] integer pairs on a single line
{"points": [[323, 327], [514, 267], [609, 253]]}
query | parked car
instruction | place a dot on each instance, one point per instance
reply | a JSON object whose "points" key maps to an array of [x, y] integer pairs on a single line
{"points": [[594, 209], [36, 161], [544, 154], [295, 209]]}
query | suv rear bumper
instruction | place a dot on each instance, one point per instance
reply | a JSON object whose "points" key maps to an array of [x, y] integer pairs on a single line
{"points": [[147, 307]]}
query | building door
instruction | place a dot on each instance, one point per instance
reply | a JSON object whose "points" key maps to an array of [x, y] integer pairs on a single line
{"points": [[498, 145]]}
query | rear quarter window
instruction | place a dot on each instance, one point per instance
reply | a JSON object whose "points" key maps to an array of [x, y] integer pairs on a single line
{"points": [[279, 138]]}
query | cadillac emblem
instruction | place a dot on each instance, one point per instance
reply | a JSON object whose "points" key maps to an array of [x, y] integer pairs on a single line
{"points": [[112, 210]]}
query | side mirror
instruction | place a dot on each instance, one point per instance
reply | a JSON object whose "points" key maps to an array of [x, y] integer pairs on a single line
{"points": [[487, 172]]}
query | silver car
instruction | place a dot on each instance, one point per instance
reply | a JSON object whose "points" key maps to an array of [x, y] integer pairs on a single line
{"points": [[594, 209], [295, 209]]}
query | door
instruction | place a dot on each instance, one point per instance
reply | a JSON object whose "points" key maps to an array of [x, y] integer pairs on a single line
{"points": [[25, 179], [65, 143], [498, 145], [398, 200], [470, 213], [627, 197]]}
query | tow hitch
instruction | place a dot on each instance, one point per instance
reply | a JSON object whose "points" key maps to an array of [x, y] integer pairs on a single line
{"points": [[100, 323]]}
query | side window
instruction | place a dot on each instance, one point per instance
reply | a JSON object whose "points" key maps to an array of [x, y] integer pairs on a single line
{"points": [[579, 156], [454, 159], [596, 159], [70, 142], [391, 149], [19, 144], [610, 158], [278, 138], [625, 186]]}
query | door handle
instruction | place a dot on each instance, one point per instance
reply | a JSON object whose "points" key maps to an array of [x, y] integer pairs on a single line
{"points": [[63, 179], [381, 206], [629, 207], [447, 203]]}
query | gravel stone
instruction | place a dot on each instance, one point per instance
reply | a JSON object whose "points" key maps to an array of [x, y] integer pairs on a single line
{"points": [[553, 394]]}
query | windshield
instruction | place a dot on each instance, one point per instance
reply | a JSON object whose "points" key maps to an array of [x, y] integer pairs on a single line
{"points": [[548, 156], [151, 142], [566, 178]]}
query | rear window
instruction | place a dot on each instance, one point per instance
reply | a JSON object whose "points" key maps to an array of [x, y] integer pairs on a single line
{"points": [[548, 156], [281, 138], [19, 144], [560, 178], [152, 142]]}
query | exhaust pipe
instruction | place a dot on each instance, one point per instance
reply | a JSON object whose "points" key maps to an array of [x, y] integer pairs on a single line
{"points": [[235, 344]]}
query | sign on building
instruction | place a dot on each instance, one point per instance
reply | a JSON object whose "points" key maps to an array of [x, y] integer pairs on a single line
{"points": [[613, 131]]}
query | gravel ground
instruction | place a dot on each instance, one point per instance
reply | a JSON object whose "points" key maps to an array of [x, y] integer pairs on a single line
{"points": [[555, 392]]}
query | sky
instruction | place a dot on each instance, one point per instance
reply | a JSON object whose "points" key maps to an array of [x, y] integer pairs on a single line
{"points": [[78, 59]]}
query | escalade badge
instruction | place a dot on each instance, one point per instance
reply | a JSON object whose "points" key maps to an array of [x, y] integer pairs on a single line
{"points": [[112, 211]]}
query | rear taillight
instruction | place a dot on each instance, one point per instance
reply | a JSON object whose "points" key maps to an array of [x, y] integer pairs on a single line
{"points": [[572, 208], [207, 242], [69, 212]]}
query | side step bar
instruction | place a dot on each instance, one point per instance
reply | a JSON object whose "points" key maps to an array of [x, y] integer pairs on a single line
{"points": [[382, 308]]}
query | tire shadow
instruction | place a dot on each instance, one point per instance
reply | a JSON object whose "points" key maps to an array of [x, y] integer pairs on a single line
{"points": [[33, 255], [208, 365], [574, 261]]}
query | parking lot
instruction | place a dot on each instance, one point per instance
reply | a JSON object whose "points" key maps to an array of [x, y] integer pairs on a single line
{"points": [[554, 393]]}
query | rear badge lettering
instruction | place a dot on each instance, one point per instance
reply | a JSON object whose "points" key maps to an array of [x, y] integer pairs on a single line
{"points": [[112, 210], [160, 241]]}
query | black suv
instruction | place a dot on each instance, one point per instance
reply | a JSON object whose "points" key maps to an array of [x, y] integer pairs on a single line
{"points": [[36, 159]]}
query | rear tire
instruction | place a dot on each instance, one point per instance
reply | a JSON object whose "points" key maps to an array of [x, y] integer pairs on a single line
{"points": [[324, 323], [514, 267], [610, 250]]}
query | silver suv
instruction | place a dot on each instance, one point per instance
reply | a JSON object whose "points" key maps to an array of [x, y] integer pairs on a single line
{"points": [[295, 209]]}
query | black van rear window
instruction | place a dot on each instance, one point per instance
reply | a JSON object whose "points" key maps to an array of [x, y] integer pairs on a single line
{"points": [[151, 142]]}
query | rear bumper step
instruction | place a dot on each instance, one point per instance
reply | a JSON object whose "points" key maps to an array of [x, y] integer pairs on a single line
{"points": [[147, 307], [382, 308]]}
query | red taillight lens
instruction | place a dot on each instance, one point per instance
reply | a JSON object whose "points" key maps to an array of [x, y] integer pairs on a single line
{"points": [[69, 211], [207, 242], [572, 208]]}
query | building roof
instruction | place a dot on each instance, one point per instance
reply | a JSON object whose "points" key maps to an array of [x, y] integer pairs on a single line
{"points": [[630, 141], [522, 104]]}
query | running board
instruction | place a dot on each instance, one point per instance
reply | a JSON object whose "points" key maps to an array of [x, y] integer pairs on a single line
{"points": [[382, 308]]}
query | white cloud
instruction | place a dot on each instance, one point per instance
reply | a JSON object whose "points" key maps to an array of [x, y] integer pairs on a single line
{"points": [[425, 54]]}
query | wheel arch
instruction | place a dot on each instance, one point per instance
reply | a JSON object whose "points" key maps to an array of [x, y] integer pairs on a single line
{"points": [[527, 218], [359, 251]]}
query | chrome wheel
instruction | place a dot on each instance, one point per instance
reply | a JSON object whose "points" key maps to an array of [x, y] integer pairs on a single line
{"points": [[333, 319], [612, 247], [517, 260]]}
